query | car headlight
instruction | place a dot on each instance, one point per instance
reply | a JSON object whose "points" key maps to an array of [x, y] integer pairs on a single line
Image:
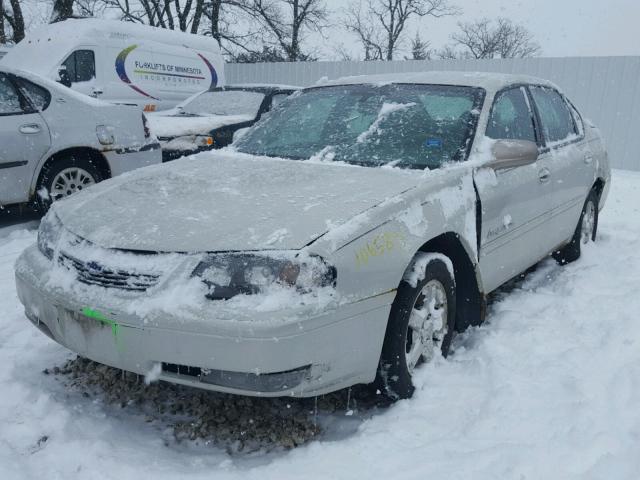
{"points": [[230, 274], [49, 234]]}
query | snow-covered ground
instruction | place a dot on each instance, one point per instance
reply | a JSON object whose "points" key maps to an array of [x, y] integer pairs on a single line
{"points": [[548, 387]]}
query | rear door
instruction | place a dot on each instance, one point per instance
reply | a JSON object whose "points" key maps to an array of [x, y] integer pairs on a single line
{"points": [[24, 136], [569, 159], [516, 201]]}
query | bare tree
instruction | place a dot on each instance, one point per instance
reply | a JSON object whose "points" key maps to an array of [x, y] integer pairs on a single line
{"points": [[359, 22], [14, 20], [286, 22], [89, 8], [235, 30], [380, 24], [171, 14], [448, 52], [485, 38], [3, 32], [62, 9]]}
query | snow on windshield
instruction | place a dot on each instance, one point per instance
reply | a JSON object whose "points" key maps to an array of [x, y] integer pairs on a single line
{"points": [[414, 125], [227, 102]]}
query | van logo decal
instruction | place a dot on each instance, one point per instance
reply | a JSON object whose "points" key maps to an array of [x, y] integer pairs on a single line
{"points": [[163, 72], [120, 70]]}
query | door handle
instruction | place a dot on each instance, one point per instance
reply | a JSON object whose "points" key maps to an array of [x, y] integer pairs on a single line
{"points": [[30, 128], [544, 175]]}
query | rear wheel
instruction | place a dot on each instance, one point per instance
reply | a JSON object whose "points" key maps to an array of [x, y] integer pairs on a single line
{"points": [[421, 323], [585, 231], [65, 176]]}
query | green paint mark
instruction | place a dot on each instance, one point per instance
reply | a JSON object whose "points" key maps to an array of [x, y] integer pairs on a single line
{"points": [[96, 315]]}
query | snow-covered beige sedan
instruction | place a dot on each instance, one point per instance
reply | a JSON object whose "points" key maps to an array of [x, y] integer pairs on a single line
{"points": [[343, 240]]}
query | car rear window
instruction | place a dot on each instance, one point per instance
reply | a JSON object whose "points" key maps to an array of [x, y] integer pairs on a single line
{"points": [[408, 125], [225, 102]]}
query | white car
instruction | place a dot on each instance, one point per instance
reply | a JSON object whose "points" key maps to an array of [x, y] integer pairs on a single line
{"points": [[348, 236], [54, 141]]}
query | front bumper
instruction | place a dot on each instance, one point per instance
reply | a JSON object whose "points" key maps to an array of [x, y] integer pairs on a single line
{"points": [[272, 354]]}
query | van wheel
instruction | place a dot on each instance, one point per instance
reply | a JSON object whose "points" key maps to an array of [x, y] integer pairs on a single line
{"points": [[422, 320], [65, 176], [585, 231]]}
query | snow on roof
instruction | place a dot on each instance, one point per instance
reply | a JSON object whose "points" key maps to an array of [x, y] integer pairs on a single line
{"points": [[99, 29], [44, 48], [54, 86], [273, 86], [487, 80]]}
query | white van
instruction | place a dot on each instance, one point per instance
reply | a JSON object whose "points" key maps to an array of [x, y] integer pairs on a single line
{"points": [[121, 62]]}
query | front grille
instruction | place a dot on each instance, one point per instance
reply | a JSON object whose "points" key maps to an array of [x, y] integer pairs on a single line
{"points": [[92, 273]]}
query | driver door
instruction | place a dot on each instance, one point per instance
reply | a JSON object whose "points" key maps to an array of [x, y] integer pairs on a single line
{"points": [[515, 202]]}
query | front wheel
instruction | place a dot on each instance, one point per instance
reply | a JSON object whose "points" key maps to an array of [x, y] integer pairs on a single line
{"points": [[585, 231], [421, 323]]}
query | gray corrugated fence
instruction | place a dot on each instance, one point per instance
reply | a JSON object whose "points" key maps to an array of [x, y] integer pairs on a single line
{"points": [[606, 89]]}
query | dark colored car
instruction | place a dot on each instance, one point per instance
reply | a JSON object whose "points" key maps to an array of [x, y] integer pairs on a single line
{"points": [[209, 119]]}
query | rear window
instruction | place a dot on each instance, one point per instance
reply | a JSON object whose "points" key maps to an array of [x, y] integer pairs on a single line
{"points": [[225, 102], [38, 97], [9, 97]]}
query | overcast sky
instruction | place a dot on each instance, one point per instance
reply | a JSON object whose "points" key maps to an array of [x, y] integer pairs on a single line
{"points": [[562, 27]]}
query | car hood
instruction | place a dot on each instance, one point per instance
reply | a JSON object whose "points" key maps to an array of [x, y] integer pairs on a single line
{"points": [[228, 202], [178, 125]]}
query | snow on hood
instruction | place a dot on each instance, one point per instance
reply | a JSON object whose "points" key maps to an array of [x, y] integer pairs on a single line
{"points": [[228, 202], [177, 125]]}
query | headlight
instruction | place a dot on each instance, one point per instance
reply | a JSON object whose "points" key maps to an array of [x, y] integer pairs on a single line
{"points": [[49, 234], [228, 275]]}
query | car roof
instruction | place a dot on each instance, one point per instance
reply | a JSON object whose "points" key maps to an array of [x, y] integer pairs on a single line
{"points": [[487, 80], [257, 87]]}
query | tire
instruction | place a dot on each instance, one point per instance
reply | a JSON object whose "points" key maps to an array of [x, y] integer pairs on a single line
{"points": [[65, 176], [585, 231], [398, 358]]}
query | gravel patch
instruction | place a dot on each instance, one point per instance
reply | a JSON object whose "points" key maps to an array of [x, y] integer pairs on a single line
{"points": [[235, 423]]}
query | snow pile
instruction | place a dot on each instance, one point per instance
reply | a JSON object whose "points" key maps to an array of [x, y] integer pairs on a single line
{"points": [[548, 388]]}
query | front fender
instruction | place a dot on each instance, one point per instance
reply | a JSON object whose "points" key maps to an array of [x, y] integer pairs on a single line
{"points": [[373, 250]]}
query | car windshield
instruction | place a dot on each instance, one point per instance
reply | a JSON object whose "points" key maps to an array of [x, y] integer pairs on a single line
{"points": [[225, 102], [407, 125]]}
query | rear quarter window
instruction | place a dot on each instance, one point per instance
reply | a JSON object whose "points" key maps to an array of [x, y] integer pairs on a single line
{"points": [[557, 121], [38, 97]]}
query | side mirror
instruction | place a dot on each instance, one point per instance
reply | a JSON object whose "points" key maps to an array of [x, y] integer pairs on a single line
{"points": [[64, 76], [513, 153]]}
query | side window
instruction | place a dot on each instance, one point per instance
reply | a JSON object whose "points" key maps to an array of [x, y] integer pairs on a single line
{"points": [[80, 66], [38, 97], [511, 118], [577, 119], [557, 121], [9, 97]]}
